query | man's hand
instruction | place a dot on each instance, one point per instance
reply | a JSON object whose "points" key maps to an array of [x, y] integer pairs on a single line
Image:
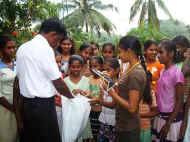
{"points": [[62, 88], [81, 92]]}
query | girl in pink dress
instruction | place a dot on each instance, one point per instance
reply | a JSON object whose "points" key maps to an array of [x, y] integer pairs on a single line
{"points": [[169, 95]]}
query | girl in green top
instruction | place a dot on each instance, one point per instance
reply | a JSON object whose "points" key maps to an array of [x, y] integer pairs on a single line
{"points": [[79, 84], [95, 93]]}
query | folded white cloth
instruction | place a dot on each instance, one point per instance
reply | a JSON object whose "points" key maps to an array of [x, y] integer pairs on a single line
{"points": [[75, 114]]}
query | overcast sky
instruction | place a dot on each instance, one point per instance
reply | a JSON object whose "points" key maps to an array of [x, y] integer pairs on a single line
{"points": [[180, 10]]}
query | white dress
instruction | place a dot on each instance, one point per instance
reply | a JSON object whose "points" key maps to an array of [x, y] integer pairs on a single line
{"points": [[187, 133], [8, 127]]}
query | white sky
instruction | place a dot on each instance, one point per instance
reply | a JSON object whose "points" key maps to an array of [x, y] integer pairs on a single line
{"points": [[180, 10]]}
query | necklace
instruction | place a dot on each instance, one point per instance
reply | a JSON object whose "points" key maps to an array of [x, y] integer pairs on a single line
{"points": [[132, 68], [128, 71]]}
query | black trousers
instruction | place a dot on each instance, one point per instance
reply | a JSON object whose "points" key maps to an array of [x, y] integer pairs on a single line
{"points": [[40, 120]]}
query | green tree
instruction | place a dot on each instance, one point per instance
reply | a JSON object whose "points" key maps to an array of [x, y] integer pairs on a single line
{"points": [[146, 33], [13, 16], [43, 9], [148, 12], [85, 15], [19, 14], [174, 28]]}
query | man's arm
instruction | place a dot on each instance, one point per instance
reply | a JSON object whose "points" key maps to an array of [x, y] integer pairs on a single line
{"points": [[62, 88]]}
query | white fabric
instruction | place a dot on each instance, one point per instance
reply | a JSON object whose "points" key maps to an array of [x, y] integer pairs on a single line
{"points": [[36, 68], [59, 118], [7, 77], [173, 134], [187, 133], [75, 114], [107, 116]]}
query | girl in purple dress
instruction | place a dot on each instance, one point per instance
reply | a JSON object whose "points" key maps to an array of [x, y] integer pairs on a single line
{"points": [[169, 95]]}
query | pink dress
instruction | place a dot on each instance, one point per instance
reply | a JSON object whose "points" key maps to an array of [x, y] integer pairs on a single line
{"points": [[165, 93], [166, 88]]}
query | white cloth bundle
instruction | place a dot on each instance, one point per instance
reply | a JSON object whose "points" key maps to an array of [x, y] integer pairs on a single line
{"points": [[75, 114]]}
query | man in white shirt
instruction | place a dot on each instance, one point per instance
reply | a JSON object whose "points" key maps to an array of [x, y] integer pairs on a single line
{"points": [[39, 79]]}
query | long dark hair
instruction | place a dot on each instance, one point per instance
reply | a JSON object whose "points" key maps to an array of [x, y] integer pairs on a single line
{"points": [[72, 50], [131, 42]]}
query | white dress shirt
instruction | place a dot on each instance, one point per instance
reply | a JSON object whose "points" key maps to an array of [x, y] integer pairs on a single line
{"points": [[36, 68]]}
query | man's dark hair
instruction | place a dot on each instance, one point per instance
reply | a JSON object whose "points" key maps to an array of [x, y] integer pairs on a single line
{"points": [[53, 25]]}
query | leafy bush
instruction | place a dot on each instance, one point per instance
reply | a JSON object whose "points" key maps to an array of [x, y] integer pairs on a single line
{"points": [[145, 33]]}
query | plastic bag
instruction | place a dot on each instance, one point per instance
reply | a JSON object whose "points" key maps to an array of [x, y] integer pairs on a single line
{"points": [[75, 114]]}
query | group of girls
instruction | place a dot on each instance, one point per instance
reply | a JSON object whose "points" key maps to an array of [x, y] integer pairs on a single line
{"points": [[76, 70], [150, 101]]}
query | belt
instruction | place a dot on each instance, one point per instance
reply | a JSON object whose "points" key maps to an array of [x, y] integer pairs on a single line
{"points": [[38, 99]]}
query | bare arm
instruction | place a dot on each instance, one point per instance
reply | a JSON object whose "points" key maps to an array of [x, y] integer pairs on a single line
{"points": [[6, 104], [178, 103], [178, 106], [186, 67], [104, 103], [154, 111], [186, 111], [62, 88], [132, 104], [109, 104]]}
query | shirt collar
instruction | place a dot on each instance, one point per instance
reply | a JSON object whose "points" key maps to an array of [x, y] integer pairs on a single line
{"points": [[42, 38]]}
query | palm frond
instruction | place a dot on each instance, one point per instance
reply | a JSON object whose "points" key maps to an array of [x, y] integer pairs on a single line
{"points": [[135, 8], [162, 5], [74, 19], [152, 15], [101, 21], [100, 6], [143, 14]]}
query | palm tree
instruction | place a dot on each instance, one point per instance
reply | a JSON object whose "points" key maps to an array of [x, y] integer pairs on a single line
{"points": [[43, 9], [148, 8], [85, 14]]}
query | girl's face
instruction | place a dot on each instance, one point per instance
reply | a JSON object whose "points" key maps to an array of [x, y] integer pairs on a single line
{"points": [[86, 53], [108, 52], [163, 56], [75, 68], [95, 50], [66, 45], [151, 52], [124, 55], [180, 51], [95, 65], [113, 73], [9, 49]]}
